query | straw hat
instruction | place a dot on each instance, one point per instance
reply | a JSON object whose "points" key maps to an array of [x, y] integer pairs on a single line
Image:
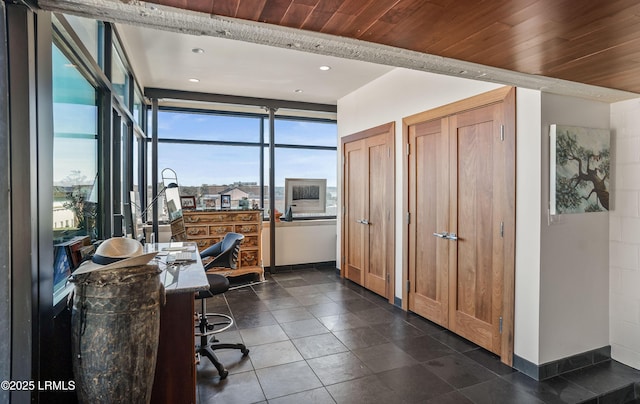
{"points": [[114, 253]]}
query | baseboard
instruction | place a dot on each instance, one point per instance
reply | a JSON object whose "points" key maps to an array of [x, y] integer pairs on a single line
{"points": [[561, 366], [310, 265]]}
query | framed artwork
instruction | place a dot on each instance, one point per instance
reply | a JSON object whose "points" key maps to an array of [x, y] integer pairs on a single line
{"points": [[209, 203], [305, 195], [225, 201], [188, 202], [579, 169]]}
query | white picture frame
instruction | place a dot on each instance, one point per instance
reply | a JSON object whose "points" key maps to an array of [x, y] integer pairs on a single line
{"points": [[305, 195]]}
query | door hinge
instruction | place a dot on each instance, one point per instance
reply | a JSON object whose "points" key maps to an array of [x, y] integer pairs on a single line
{"points": [[500, 324], [389, 152], [408, 149], [408, 284], [388, 278], [408, 217], [502, 132], [502, 229]]}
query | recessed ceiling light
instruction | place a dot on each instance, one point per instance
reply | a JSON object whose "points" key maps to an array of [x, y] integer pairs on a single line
{"points": [[325, 68], [197, 50], [194, 80], [299, 91]]}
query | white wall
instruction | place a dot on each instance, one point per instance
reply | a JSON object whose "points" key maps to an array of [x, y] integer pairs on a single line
{"points": [[561, 269], [390, 98], [624, 229], [301, 242], [574, 263]]}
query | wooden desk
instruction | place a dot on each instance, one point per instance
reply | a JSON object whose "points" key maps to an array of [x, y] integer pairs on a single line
{"points": [[175, 377]]}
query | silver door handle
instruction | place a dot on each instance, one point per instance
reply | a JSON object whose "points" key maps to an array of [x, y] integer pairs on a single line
{"points": [[441, 235], [358, 221], [452, 236], [364, 221]]}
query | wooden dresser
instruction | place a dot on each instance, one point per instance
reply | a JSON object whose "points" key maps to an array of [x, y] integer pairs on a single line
{"points": [[206, 228]]}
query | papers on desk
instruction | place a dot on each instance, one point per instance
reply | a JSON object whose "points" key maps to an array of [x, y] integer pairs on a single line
{"points": [[180, 247], [179, 253], [175, 257]]}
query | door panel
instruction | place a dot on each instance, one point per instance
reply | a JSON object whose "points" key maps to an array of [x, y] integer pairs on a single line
{"points": [[355, 210], [429, 206], [477, 275], [376, 270]]}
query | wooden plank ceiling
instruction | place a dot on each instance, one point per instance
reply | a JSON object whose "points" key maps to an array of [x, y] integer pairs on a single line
{"points": [[587, 41]]}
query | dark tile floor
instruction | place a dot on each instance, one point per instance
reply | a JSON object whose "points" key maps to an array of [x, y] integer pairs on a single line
{"points": [[315, 338]]}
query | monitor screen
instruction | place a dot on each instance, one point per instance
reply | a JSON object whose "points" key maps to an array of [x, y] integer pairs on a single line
{"points": [[62, 266]]}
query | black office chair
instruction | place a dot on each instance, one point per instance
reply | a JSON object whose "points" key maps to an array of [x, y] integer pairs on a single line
{"points": [[226, 255], [225, 252]]}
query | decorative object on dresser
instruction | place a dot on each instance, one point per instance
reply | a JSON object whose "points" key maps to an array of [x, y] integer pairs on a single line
{"points": [[206, 228], [188, 201], [225, 201]]}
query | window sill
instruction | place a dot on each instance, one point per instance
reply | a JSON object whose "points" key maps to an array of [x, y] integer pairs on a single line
{"points": [[300, 223]]}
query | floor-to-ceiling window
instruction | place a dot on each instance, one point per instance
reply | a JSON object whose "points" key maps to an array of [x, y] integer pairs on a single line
{"points": [[75, 163]]}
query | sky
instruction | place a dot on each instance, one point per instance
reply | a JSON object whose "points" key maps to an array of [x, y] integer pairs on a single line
{"points": [[215, 164]]}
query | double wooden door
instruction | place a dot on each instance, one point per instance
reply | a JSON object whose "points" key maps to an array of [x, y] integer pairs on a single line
{"points": [[461, 233], [368, 228]]}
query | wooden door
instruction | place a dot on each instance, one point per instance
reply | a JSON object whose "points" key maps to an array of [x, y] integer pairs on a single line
{"points": [[368, 222], [477, 219], [461, 192], [429, 207]]}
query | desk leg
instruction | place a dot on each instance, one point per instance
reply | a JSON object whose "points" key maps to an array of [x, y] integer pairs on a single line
{"points": [[175, 378]]}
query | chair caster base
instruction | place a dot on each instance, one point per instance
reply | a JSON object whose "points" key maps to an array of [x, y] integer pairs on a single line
{"points": [[245, 352], [223, 374]]}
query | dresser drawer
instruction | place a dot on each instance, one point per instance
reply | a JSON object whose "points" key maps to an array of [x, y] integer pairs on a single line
{"points": [[250, 241], [204, 243], [220, 230], [204, 218], [197, 231], [246, 216], [249, 258], [246, 228]]}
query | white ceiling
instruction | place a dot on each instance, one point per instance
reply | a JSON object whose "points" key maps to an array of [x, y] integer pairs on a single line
{"points": [[165, 59]]}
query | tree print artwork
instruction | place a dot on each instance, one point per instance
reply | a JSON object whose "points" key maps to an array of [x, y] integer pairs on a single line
{"points": [[580, 163]]}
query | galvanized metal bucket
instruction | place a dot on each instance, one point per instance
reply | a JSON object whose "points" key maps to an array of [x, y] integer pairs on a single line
{"points": [[115, 323]]}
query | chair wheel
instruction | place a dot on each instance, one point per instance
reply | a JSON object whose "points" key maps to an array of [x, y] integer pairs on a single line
{"points": [[224, 374], [245, 352]]}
